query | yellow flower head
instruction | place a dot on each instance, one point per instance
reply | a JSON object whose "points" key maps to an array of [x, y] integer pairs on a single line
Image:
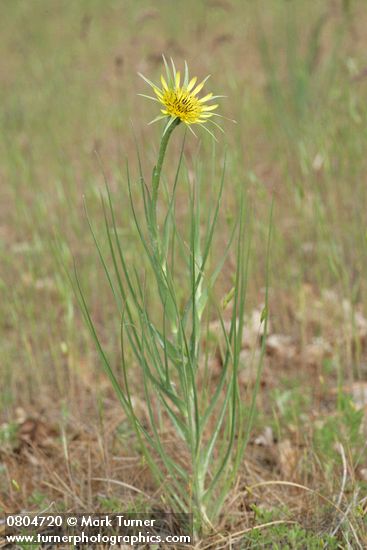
{"points": [[180, 99]]}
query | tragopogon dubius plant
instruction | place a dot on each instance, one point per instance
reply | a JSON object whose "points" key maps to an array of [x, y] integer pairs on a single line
{"points": [[195, 428]]}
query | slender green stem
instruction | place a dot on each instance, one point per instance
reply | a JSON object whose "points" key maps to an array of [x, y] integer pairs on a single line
{"points": [[158, 168]]}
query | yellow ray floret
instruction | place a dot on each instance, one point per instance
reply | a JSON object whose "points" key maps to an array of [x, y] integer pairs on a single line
{"points": [[179, 99]]}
